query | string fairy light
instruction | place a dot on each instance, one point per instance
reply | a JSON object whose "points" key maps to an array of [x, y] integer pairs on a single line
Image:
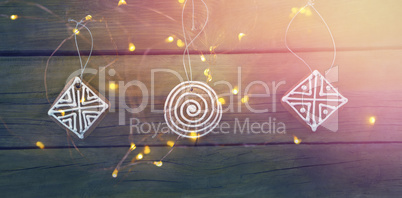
{"points": [[14, 17], [131, 47], [121, 2], [372, 120], [222, 101], [169, 39], [147, 150], [296, 140], [303, 97], [40, 145], [235, 90], [240, 36]]}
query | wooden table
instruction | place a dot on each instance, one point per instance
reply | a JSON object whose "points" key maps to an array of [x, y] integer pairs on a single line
{"points": [[361, 159]]}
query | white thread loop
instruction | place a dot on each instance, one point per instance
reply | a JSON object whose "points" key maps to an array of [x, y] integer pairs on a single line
{"points": [[76, 44], [310, 3], [186, 50]]}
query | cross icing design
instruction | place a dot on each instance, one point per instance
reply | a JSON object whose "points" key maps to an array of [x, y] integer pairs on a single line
{"points": [[314, 100], [78, 108]]}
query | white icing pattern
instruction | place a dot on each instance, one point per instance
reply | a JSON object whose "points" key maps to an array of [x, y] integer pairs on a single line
{"points": [[192, 107], [314, 100], [77, 109]]}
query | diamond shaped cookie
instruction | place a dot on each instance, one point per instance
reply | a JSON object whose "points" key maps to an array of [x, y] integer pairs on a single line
{"points": [[314, 100], [79, 108]]}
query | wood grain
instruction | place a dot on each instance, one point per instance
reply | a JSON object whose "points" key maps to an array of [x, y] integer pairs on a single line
{"points": [[371, 92], [283, 170], [355, 25], [359, 160]]}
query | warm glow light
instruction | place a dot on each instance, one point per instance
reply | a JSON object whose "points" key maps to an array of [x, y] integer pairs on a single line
{"points": [[212, 48], [113, 85], [76, 31], [14, 17], [302, 10], [88, 17], [209, 78], [235, 91], [114, 174], [169, 39], [222, 100], [180, 43], [132, 146], [122, 2], [203, 58], [206, 72], [194, 135], [181, 1], [147, 150], [170, 143], [40, 145], [139, 156], [158, 164], [244, 99], [82, 100], [131, 47], [372, 120], [296, 140], [241, 35], [308, 12], [62, 112]]}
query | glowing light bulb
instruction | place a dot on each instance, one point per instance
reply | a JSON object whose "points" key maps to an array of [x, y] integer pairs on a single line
{"points": [[82, 100], [147, 150], [302, 10], [62, 112], [372, 120], [114, 174], [245, 99], [131, 47], [113, 86], [193, 135], [14, 17], [212, 48], [139, 156], [235, 91], [76, 31], [179, 43], [294, 10], [308, 12], [241, 35], [158, 164], [169, 39], [202, 58], [88, 17], [206, 72], [209, 78], [40, 145], [296, 140], [181, 1], [122, 2], [170, 143], [132, 146], [222, 100]]}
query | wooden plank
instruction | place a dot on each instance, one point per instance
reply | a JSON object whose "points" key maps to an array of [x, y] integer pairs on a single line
{"points": [[372, 87], [369, 170], [355, 24]]}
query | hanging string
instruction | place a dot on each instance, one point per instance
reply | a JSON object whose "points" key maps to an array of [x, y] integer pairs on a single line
{"points": [[193, 23], [311, 4], [76, 44], [186, 50]]}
